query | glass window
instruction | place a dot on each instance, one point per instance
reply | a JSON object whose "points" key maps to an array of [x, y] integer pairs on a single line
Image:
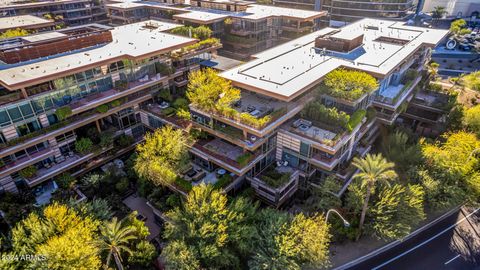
{"points": [[26, 110], [15, 114], [4, 119]]}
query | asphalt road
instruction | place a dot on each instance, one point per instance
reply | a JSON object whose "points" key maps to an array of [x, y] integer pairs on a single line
{"points": [[453, 243]]}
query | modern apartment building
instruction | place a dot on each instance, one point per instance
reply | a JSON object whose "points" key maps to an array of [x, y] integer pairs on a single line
{"points": [[342, 12], [293, 139], [59, 87], [68, 12], [244, 28]]}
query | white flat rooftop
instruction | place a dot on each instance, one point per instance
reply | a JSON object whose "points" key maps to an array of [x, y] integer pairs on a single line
{"points": [[22, 21], [288, 70], [131, 41], [204, 15]]}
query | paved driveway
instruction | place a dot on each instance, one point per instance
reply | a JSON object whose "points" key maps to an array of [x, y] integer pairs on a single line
{"points": [[139, 204]]}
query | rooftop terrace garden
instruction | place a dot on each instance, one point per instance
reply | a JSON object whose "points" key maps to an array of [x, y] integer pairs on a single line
{"points": [[274, 178], [211, 93], [339, 121], [348, 84], [202, 32]]}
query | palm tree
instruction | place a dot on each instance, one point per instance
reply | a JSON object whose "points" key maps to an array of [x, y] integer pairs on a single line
{"points": [[438, 12], [115, 238], [373, 169]]}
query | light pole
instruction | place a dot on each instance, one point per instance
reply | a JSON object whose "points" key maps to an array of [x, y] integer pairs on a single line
{"points": [[345, 222]]}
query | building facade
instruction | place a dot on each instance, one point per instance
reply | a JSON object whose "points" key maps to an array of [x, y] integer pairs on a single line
{"points": [[65, 12], [81, 84], [342, 12], [244, 28], [279, 138]]}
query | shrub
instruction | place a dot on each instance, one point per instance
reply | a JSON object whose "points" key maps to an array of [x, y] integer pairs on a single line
{"points": [[143, 255], [122, 185], [183, 184], [125, 140], [355, 119], [317, 112], [274, 178], [63, 112], [223, 181], [102, 108], [184, 114], [106, 139], [173, 200], [251, 120], [115, 103], [200, 32], [348, 84], [180, 103], [65, 181], [28, 172], [243, 159], [168, 111], [164, 94], [84, 145]]}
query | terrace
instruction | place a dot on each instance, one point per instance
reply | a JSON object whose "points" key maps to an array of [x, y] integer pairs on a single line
{"points": [[225, 154], [394, 95], [194, 175], [257, 114], [276, 184]]}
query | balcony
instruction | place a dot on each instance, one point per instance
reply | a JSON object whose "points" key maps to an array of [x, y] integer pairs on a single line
{"points": [[194, 175], [128, 88], [26, 161], [44, 174], [275, 185], [66, 126], [225, 155], [393, 96], [257, 115]]}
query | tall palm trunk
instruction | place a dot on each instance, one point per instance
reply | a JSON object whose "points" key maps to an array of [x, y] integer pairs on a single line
{"points": [[364, 210], [117, 261]]}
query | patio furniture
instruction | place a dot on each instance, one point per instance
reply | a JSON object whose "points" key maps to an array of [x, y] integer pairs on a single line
{"points": [[164, 105], [199, 176], [285, 163], [221, 172]]}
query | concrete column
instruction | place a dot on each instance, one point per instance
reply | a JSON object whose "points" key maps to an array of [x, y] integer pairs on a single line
{"points": [[98, 126], [24, 93]]}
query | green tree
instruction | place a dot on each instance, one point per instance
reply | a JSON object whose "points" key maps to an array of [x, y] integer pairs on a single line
{"points": [[214, 232], [286, 242], [144, 255], [397, 148], [115, 239], [209, 91], [323, 198], [438, 12], [162, 155], [348, 84], [397, 210], [63, 112], [373, 169], [471, 119], [59, 234], [180, 256], [470, 81], [458, 27], [84, 145]]}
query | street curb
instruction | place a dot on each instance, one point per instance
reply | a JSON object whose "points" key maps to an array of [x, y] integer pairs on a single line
{"points": [[396, 242]]}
